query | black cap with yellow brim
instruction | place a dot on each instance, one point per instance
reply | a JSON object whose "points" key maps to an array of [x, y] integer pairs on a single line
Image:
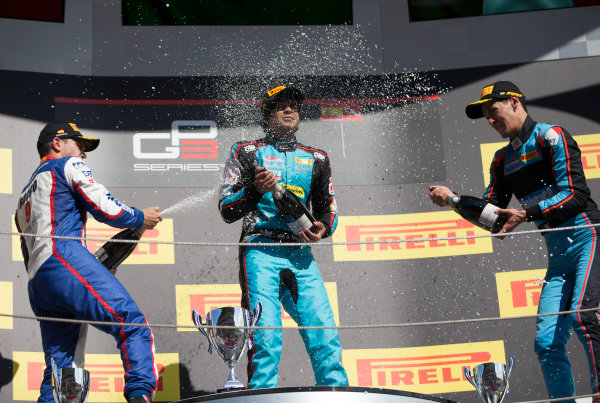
{"points": [[495, 91], [271, 97], [65, 130]]}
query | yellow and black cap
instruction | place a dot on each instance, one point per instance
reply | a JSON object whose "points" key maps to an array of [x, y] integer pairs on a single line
{"points": [[271, 97], [498, 90], [64, 130]]}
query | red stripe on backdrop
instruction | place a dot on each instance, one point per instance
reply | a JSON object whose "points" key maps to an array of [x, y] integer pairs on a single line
{"points": [[89, 101]]}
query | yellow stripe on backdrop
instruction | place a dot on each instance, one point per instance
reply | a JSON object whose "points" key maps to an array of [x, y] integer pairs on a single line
{"points": [[106, 376], [426, 369], [6, 304], [203, 298], [6, 169]]}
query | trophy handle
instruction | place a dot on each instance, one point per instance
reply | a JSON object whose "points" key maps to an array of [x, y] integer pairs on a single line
{"points": [[256, 314], [54, 370], [467, 373], [254, 320], [510, 364], [197, 318]]}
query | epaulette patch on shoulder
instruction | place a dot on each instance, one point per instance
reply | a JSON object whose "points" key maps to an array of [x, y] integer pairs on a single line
{"points": [[550, 137], [249, 147], [318, 155]]}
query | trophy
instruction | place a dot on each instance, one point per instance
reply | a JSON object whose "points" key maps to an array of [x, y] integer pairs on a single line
{"points": [[230, 344], [70, 385], [491, 380]]}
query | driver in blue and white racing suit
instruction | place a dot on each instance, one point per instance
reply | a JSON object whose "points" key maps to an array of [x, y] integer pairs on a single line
{"points": [[65, 279], [542, 167], [283, 275]]}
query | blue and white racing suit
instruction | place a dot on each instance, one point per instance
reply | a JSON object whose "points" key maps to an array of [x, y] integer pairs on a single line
{"points": [[542, 167], [307, 173], [66, 280]]}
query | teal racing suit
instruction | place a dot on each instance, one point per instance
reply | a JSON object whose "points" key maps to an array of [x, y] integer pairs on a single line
{"points": [[282, 275], [542, 167]]}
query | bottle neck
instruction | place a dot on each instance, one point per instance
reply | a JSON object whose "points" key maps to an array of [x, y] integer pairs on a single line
{"points": [[452, 199], [278, 191]]}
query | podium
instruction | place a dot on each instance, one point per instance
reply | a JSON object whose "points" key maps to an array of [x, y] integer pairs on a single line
{"points": [[317, 394]]}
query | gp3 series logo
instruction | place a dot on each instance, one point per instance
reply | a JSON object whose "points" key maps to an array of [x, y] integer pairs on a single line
{"points": [[188, 140]]}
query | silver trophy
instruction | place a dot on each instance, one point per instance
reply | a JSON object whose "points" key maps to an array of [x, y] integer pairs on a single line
{"points": [[230, 344], [70, 385], [491, 380]]}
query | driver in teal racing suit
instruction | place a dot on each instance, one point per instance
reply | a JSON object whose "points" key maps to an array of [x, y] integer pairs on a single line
{"points": [[542, 167], [283, 275]]}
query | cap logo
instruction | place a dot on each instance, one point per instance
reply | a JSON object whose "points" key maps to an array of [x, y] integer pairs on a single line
{"points": [[516, 94], [61, 131], [487, 90], [276, 90], [74, 127]]}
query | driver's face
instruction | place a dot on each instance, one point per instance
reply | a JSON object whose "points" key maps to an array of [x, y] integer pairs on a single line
{"points": [[284, 118]]}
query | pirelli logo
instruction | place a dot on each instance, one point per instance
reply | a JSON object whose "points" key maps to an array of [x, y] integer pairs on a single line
{"points": [[106, 376], [6, 169], [203, 298], [529, 156], [144, 253], [590, 154], [519, 292], [6, 304], [428, 227], [589, 144], [431, 369], [487, 90], [276, 90]]}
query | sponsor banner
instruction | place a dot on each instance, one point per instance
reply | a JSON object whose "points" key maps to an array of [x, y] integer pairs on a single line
{"points": [[188, 139], [6, 169], [429, 369], [106, 376], [589, 144], [349, 111], [404, 227], [187, 153], [144, 253], [6, 304], [204, 298], [519, 292]]}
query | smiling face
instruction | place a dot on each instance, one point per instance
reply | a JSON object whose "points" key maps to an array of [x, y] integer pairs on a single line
{"points": [[505, 116], [284, 119]]}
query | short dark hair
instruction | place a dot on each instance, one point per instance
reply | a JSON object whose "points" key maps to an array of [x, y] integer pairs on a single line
{"points": [[44, 149]]}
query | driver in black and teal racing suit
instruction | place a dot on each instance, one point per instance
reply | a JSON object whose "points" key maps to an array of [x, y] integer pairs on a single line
{"points": [[542, 167], [283, 275]]}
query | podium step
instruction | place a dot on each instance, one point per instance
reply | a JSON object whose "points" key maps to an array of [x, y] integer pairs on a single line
{"points": [[317, 394]]}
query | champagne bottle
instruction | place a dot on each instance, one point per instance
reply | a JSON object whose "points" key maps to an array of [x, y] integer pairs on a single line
{"points": [[477, 211], [290, 205], [112, 254]]}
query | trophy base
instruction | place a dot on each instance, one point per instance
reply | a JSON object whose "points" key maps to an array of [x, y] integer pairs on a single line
{"points": [[231, 389]]}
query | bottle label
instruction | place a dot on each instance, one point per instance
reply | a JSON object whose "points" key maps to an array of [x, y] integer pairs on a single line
{"points": [[300, 224], [488, 216]]}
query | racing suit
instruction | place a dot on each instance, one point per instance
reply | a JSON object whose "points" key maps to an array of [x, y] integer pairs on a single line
{"points": [[542, 167], [66, 280], [306, 172]]}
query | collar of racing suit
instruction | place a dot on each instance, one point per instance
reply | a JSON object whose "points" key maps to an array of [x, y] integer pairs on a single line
{"points": [[524, 133], [280, 145]]}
